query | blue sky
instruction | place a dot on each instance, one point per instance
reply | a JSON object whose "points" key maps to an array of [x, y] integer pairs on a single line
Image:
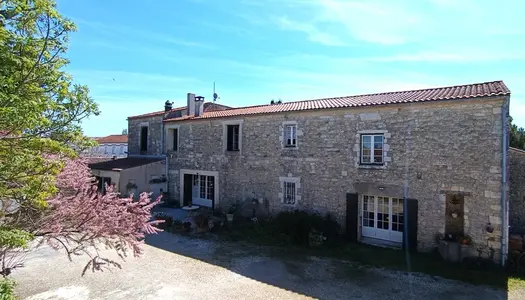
{"points": [[134, 56]]}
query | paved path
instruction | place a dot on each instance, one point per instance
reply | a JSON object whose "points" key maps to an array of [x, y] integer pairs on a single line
{"points": [[201, 269]]}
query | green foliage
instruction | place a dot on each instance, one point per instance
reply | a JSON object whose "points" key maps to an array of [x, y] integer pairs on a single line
{"points": [[40, 112], [12, 238], [298, 224], [7, 289], [517, 136]]}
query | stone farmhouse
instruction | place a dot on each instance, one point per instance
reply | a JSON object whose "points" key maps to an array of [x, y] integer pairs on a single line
{"points": [[443, 149]]}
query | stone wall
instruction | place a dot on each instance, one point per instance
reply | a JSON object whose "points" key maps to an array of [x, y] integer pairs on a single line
{"points": [[154, 135], [449, 146], [517, 191]]}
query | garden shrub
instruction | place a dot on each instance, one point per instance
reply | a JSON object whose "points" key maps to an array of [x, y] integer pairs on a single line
{"points": [[7, 289], [297, 225]]}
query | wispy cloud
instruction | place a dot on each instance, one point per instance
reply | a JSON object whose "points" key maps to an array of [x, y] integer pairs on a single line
{"points": [[313, 32], [133, 34], [391, 22]]}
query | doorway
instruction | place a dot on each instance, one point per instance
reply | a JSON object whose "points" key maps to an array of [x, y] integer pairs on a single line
{"points": [[382, 218], [199, 187]]}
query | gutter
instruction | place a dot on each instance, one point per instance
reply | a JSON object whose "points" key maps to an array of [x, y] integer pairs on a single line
{"points": [[504, 200]]}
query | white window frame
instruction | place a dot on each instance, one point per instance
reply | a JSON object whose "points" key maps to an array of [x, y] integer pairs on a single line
{"points": [[286, 125], [290, 129], [225, 135], [287, 183], [371, 160]]}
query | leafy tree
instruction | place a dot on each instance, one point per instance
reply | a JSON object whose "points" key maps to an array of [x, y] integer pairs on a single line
{"points": [[124, 131], [40, 108], [517, 136], [44, 191]]}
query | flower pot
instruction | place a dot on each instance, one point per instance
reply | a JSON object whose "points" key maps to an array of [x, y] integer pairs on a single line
{"points": [[229, 217], [450, 251]]}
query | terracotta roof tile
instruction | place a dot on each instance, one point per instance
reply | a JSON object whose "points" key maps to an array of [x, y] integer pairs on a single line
{"points": [[157, 113], [112, 139], [485, 89]]}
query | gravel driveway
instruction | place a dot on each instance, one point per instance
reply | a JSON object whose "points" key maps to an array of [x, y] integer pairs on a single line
{"points": [[176, 267]]}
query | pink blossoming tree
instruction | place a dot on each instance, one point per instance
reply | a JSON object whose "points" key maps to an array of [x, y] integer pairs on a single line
{"points": [[81, 220]]}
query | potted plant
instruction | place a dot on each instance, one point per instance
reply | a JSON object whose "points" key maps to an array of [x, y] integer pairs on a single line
{"points": [[158, 180], [231, 212], [177, 225], [186, 226], [201, 222], [465, 240]]}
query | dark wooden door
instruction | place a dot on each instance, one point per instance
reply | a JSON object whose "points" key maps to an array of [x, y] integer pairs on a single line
{"points": [[412, 215], [187, 192], [352, 212]]}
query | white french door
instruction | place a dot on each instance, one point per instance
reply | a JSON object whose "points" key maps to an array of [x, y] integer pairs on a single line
{"points": [[203, 190], [382, 218]]}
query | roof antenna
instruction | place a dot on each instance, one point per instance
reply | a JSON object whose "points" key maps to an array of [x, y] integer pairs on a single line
{"points": [[215, 96]]}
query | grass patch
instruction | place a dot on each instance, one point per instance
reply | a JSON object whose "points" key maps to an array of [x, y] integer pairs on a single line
{"points": [[516, 283]]}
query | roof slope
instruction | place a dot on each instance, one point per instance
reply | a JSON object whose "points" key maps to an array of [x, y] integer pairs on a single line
{"points": [[208, 106], [123, 163], [112, 139], [157, 113], [476, 90]]}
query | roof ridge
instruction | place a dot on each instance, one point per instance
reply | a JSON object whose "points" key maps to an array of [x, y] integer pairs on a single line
{"points": [[373, 94]]}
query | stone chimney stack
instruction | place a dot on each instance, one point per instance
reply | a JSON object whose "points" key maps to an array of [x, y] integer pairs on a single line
{"points": [[168, 106], [199, 106], [191, 104]]}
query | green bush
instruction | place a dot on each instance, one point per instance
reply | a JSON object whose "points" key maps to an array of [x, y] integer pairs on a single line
{"points": [[7, 289], [298, 224]]}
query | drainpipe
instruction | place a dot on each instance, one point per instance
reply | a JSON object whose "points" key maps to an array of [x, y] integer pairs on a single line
{"points": [[504, 210], [164, 151]]}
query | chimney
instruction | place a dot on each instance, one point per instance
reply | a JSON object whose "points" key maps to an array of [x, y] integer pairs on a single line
{"points": [[191, 104], [168, 106], [199, 105]]}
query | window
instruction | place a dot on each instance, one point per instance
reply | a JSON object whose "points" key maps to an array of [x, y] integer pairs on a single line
{"points": [[175, 139], [289, 192], [232, 143], [144, 139], [203, 187], [113, 149], [372, 149], [290, 136]]}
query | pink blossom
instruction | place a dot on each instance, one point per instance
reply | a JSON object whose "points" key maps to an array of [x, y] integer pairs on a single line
{"points": [[81, 220]]}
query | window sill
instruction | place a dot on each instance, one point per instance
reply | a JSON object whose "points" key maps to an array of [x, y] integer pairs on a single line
{"points": [[373, 167], [290, 147]]}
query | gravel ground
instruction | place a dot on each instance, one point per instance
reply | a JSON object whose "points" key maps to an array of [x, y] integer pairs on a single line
{"points": [[176, 267]]}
